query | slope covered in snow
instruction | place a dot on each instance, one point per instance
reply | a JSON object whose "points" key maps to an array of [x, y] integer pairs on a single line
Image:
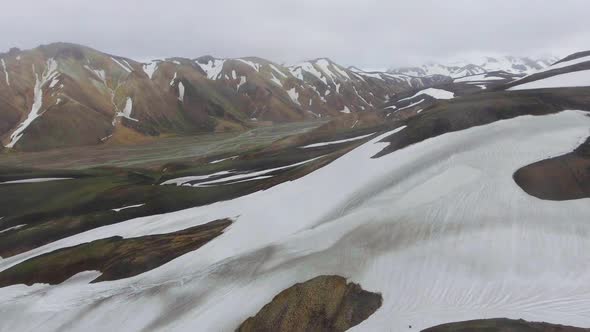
{"points": [[567, 80], [432, 92], [439, 228], [573, 71]]}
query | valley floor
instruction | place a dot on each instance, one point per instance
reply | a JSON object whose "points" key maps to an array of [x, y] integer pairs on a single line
{"points": [[157, 152]]}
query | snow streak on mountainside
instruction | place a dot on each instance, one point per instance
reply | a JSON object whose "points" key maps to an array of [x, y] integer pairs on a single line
{"points": [[49, 74], [405, 227], [514, 65]]}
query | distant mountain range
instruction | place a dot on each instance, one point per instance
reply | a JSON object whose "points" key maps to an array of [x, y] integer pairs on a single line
{"points": [[62, 95], [510, 64]]}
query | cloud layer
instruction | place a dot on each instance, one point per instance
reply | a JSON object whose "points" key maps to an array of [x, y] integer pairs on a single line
{"points": [[367, 33]]}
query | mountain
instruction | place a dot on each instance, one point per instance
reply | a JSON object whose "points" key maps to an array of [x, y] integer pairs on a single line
{"points": [[62, 95], [510, 64]]}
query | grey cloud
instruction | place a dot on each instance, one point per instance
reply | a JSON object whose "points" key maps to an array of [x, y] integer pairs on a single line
{"points": [[369, 33]]}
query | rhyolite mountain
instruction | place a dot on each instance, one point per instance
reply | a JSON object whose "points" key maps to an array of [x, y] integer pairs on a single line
{"points": [[61, 95], [510, 64]]}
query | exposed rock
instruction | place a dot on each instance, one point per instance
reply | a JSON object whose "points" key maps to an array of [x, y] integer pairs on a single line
{"points": [[562, 178], [115, 257], [325, 303], [502, 325]]}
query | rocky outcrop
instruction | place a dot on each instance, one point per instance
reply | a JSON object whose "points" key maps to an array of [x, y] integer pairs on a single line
{"points": [[561, 178], [325, 303], [503, 325], [115, 257]]}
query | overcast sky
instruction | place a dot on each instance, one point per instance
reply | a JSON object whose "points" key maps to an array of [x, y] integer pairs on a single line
{"points": [[366, 33]]}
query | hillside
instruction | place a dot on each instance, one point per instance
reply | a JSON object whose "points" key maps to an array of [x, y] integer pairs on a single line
{"points": [[64, 95]]}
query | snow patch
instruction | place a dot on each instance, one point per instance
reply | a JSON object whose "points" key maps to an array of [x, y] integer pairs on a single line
{"points": [[12, 228], [48, 74], [308, 67], [242, 81], [224, 159], [276, 81], [54, 82], [212, 68], [128, 207], [99, 73], [122, 65], [250, 175], [412, 105], [337, 142], [294, 96], [254, 65], [180, 91], [435, 93], [185, 180], [5, 72], [340, 71], [150, 68], [127, 110], [34, 180], [277, 70]]}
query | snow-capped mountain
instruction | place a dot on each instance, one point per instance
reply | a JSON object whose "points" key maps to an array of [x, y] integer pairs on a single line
{"points": [[510, 64], [69, 95]]}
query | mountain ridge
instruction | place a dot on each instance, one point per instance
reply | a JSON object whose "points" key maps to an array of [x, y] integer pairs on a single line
{"points": [[99, 97], [463, 68]]}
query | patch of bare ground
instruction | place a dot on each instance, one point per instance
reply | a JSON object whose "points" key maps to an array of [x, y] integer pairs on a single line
{"points": [[503, 325], [115, 257], [566, 177], [325, 303]]}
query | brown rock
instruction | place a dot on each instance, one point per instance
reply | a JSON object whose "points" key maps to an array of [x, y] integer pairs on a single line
{"points": [[325, 303], [562, 178], [502, 325]]}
